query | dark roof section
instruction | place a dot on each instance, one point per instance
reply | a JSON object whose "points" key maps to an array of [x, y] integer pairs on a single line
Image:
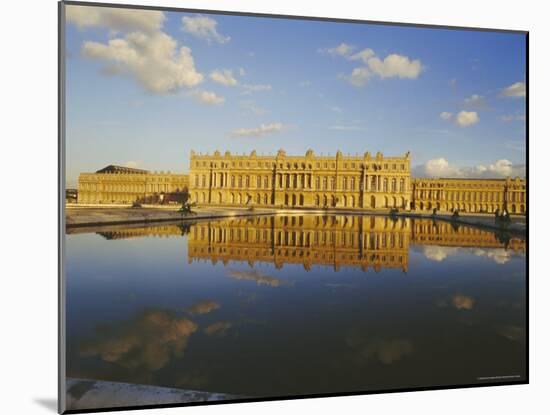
{"points": [[121, 169]]}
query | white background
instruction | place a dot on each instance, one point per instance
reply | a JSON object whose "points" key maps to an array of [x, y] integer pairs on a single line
{"points": [[28, 151]]}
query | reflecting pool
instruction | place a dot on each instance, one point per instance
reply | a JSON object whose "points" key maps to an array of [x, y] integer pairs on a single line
{"points": [[296, 305]]}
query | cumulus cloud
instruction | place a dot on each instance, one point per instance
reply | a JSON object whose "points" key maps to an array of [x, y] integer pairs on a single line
{"points": [[467, 118], [204, 28], [476, 102], [253, 275], [223, 77], [153, 60], [203, 307], [147, 342], [440, 167], [462, 119], [132, 164], [359, 76], [517, 90], [207, 98], [395, 66], [116, 19], [343, 49], [363, 56]]}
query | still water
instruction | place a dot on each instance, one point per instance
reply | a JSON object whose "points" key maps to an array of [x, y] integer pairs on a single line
{"points": [[294, 305]]}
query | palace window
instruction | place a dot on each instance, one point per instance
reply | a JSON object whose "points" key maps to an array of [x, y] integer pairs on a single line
{"points": [[324, 183], [240, 181], [247, 181], [344, 183], [266, 182], [352, 183], [196, 181], [203, 180], [318, 183], [259, 182], [394, 185], [385, 188], [332, 183], [232, 181], [402, 185]]}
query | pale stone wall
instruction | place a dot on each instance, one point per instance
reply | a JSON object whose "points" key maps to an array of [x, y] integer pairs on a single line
{"points": [[110, 188], [470, 195], [300, 181]]}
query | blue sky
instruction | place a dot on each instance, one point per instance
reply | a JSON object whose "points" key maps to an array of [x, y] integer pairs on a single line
{"points": [[455, 99]]}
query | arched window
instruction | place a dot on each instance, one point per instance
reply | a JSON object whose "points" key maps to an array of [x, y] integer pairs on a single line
{"points": [[402, 185], [324, 183], [394, 185], [352, 201], [344, 183], [317, 199]]}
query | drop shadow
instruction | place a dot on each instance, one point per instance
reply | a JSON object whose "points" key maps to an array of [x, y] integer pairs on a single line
{"points": [[48, 403]]}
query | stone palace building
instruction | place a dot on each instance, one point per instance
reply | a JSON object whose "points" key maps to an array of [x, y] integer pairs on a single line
{"points": [[350, 182], [125, 185]]}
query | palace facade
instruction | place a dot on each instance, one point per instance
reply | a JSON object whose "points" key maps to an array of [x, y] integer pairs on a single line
{"points": [[351, 182], [470, 195], [366, 181], [125, 185]]}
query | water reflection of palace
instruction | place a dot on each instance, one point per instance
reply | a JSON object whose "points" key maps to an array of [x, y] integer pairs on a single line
{"points": [[357, 241]]}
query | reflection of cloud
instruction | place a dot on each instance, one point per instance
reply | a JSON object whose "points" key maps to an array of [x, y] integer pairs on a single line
{"points": [[219, 327], [261, 279], [439, 253], [203, 307], [148, 341], [463, 302], [385, 351], [513, 333], [500, 256]]}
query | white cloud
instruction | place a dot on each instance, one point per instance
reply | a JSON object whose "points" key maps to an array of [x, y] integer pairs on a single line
{"points": [[117, 19], [510, 118], [242, 72], [152, 59], [132, 164], [343, 49], [364, 55], [336, 108], [467, 118], [260, 131], [476, 102], [204, 28], [516, 90], [359, 76], [249, 88], [440, 167], [305, 83], [224, 77], [395, 66], [446, 115], [208, 98]]}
